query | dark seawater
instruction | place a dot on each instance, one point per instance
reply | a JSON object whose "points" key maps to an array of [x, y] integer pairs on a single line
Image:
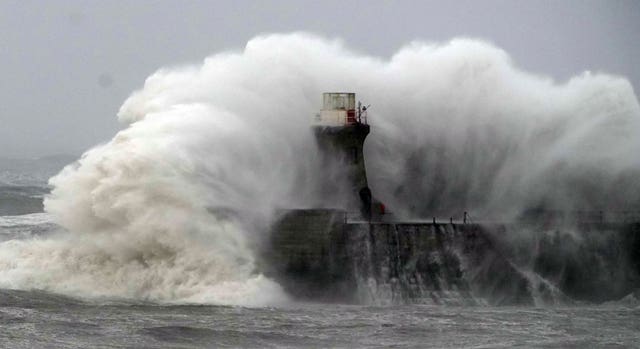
{"points": [[23, 182], [41, 320], [17, 200], [37, 319]]}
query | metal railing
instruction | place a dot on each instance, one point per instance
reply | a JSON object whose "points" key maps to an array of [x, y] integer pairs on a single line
{"points": [[582, 216], [542, 216]]}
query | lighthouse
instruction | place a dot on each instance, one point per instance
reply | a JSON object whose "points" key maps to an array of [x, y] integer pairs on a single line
{"points": [[340, 129]]}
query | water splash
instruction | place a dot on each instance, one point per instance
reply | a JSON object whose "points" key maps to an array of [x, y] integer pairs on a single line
{"points": [[172, 207]]}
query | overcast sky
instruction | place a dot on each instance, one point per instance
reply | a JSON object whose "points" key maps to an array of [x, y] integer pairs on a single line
{"points": [[67, 66]]}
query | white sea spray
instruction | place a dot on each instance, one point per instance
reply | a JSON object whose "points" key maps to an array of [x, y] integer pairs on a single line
{"points": [[172, 207]]}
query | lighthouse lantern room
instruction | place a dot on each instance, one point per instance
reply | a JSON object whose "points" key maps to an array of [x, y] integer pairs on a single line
{"points": [[339, 109]]}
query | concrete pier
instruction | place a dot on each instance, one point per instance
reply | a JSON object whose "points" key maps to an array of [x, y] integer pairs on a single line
{"points": [[319, 255]]}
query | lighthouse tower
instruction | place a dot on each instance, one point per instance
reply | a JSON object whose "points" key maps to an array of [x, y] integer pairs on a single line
{"points": [[340, 129]]}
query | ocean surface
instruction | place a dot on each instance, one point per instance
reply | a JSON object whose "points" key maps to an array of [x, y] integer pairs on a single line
{"points": [[39, 319], [32, 319]]}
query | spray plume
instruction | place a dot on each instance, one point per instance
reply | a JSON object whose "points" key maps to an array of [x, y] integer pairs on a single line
{"points": [[171, 209]]}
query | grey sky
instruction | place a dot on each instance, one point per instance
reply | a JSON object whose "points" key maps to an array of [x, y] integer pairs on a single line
{"points": [[66, 66]]}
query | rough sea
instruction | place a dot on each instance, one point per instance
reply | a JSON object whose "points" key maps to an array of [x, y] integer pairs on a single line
{"points": [[32, 318]]}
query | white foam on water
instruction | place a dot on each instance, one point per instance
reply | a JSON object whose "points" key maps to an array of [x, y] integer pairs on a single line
{"points": [[26, 219]]}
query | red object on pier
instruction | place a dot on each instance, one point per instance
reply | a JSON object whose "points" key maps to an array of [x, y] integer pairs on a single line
{"points": [[351, 116]]}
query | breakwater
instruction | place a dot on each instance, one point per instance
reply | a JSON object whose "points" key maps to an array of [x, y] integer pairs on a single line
{"points": [[320, 255]]}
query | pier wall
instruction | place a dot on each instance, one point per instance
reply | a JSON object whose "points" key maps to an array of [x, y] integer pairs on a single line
{"points": [[318, 255]]}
